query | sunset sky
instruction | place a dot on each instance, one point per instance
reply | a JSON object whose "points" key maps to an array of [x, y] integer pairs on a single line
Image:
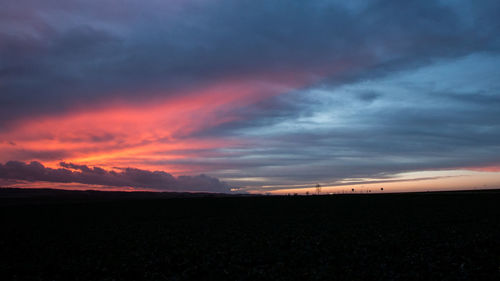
{"points": [[250, 95]]}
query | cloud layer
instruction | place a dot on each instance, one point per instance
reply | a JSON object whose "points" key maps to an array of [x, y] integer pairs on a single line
{"points": [[56, 54], [126, 177]]}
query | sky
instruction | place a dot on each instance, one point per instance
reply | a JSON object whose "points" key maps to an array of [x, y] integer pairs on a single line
{"points": [[250, 96]]}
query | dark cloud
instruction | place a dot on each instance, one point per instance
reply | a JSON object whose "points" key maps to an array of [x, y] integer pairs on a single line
{"points": [[126, 177], [368, 96], [55, 55]]}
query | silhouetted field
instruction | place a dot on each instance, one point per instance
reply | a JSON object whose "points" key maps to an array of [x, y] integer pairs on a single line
{"points": [[421, 236]]}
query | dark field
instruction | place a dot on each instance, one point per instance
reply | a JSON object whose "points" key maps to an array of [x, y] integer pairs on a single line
{"points": [[91, 236]]}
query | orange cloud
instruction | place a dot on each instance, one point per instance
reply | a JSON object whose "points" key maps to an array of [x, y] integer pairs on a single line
{"points": [[123, 134], [484, 168]]}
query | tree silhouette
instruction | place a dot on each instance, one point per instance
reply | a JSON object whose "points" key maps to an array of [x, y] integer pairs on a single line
{"points": [[318, 189]]}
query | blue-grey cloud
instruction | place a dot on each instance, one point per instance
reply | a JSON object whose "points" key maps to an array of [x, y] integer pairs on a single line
{"points": [[443, 116], [55, 54]]}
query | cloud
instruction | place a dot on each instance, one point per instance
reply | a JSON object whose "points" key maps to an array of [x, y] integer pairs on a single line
{"points": [[440, 117], [125, 177], [54, 56]]}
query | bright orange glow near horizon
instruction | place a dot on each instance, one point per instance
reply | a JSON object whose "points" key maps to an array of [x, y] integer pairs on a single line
{"points": [[443, 180]]}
